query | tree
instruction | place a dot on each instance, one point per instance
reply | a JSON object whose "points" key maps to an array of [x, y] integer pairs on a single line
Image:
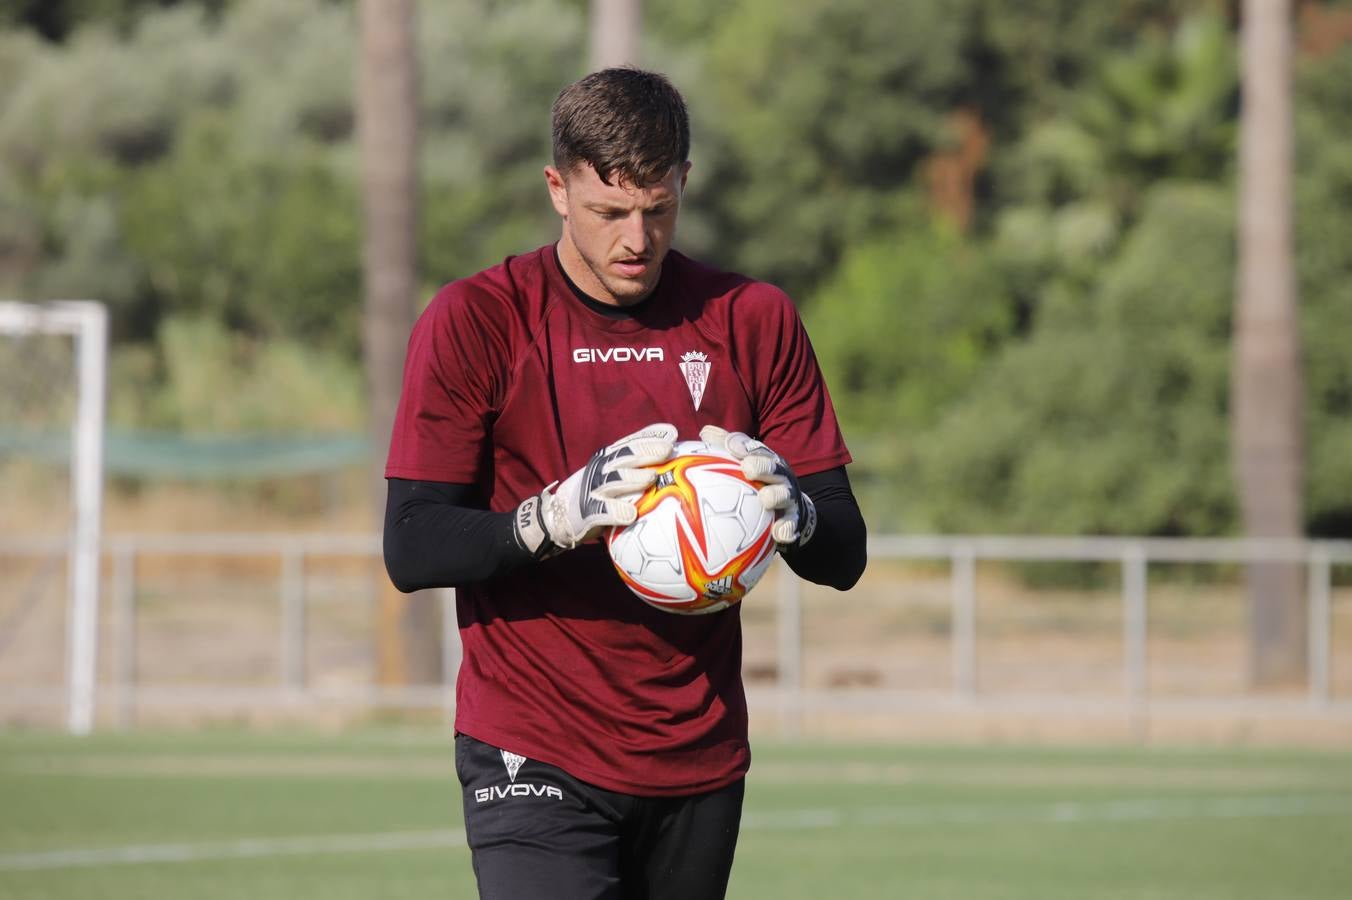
{"points": [[1160, 109], [1079, 383], [1109, 418], [616, 32], [1267, 408], [808, 127], [1323, 204], [57, 19], [387, 135]]}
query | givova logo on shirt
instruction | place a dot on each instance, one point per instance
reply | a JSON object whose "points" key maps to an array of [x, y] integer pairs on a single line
{"points": [[617, 354], [513, 762]]}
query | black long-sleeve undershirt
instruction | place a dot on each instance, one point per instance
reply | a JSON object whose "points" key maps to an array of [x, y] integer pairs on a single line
{"points": [[437, 534]]}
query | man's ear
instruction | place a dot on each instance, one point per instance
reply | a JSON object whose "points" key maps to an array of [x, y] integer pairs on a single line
{"points": [[558, 190], [685, 173]]}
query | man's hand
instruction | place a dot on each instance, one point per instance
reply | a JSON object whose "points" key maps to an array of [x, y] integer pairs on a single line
{"points": [[598, 495], [795, 516]]}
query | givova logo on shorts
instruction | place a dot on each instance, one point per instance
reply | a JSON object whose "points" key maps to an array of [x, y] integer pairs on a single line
{"points": [[513, 763]]}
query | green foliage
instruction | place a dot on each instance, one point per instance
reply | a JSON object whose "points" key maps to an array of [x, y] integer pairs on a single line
{"points": [[1070, 190], [490, 75], [1324, 259], [205, 379], [1162, 108], [904, 326], [822, 118], [902, 330], [1060, 367], [133, 148], [1110, 418], [199, 167], [1028, 53], [57, 19], [248, 229], [1106, 413]]}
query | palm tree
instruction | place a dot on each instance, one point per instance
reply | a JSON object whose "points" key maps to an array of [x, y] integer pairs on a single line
{"points": [[1159, 110], [408, 649], [1266, 381], [616, 28]]}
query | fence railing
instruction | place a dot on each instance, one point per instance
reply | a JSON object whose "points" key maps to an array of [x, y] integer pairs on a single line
{"points": [[1133, 556], [121, 691]]}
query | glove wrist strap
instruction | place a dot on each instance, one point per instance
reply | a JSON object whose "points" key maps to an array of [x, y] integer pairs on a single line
{"points": [[528, 527], [807, 521]]}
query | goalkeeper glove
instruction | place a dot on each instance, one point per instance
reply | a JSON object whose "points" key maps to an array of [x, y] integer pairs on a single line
{"points": [[598, 495], [795, 514]]}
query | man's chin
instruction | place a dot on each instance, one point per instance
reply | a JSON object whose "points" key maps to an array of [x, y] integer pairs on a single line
{"points": [[628, 291]]}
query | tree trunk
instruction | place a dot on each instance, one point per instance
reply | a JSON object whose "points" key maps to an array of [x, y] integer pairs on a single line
{"points": [[1266, 383], [616, 31], [408, 628]]}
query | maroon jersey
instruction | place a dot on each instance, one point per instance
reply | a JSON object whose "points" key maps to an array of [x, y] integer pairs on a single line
{"points": [[512, 383]]}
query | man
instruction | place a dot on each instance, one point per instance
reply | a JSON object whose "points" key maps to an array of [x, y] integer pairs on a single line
{"points": [[601, 743]]}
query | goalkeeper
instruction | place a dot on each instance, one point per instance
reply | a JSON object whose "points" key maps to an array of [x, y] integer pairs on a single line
{"points": [[601, 744]]}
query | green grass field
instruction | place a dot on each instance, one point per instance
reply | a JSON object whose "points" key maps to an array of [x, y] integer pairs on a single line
{"points": [[376, 815]]}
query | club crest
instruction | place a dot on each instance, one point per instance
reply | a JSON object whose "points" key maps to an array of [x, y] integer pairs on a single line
{"points": [[695, 368], [513, 763]]}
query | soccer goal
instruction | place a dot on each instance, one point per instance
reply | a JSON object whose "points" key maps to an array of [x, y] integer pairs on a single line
{"points": [[53, 365]]}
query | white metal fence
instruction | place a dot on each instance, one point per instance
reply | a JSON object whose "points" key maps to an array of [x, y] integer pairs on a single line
{"points": [[286, 586], [1132, 701]]}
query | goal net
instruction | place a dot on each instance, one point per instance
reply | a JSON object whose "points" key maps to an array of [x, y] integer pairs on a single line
{"points": [[52, 372]]}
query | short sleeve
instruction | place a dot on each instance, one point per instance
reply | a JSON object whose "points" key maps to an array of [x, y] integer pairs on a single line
{"points": [[452, 379], [792, 403]]}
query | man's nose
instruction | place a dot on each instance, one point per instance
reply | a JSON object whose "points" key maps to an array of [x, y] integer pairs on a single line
{"points": [[635, 235]]}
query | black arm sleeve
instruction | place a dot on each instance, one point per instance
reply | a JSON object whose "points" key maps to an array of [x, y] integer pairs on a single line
{"points": [[836, 555], [438, 535]]}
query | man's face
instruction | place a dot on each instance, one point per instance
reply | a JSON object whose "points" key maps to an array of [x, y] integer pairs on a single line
{"points": [[615, 235]]}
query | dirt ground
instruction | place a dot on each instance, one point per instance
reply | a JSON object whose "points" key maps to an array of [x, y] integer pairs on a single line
{"points": [[876, 662]]}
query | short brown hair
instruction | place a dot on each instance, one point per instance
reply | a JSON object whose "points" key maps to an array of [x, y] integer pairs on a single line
{"points": [[624, 122]]}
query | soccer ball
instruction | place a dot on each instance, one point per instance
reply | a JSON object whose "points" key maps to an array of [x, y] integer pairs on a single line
{"points": [[702, 537]]}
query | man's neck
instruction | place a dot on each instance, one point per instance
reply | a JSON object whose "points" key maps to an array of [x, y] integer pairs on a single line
{"points": [[609, 310], [579, 273]]}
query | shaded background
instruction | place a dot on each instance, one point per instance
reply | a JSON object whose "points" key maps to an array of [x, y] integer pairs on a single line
{"points": [[1012, 229], [1037, 200]]}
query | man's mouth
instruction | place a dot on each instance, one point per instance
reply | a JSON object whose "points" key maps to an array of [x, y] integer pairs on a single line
{"points": [[632, 268]]}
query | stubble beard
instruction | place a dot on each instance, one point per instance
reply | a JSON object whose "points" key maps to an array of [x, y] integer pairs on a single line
{"points": [[624, 291]]}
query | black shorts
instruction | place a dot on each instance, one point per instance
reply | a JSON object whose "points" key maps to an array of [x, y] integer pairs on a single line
{"points": [[535, 831]]}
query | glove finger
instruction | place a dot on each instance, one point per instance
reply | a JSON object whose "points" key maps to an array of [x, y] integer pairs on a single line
{"points": [[613, 512], [624, 483], [776, 496], [742, 445], [785, 529], [621, 512], [762, 468], [712, 434], [641, 452], [658, 431]]}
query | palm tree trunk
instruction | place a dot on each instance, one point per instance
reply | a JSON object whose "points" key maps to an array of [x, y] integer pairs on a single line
{"points": [[408, 630], [1266, 382], [616, 30]]}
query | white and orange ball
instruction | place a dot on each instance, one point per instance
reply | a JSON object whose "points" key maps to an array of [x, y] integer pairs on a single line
{"points": [[702, 537]]}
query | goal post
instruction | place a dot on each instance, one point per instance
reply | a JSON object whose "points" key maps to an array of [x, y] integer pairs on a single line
{"points": [[86, 322]]}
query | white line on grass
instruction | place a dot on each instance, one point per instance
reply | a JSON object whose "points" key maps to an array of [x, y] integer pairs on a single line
{"points": [[245, 848], [1063, 812]]}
